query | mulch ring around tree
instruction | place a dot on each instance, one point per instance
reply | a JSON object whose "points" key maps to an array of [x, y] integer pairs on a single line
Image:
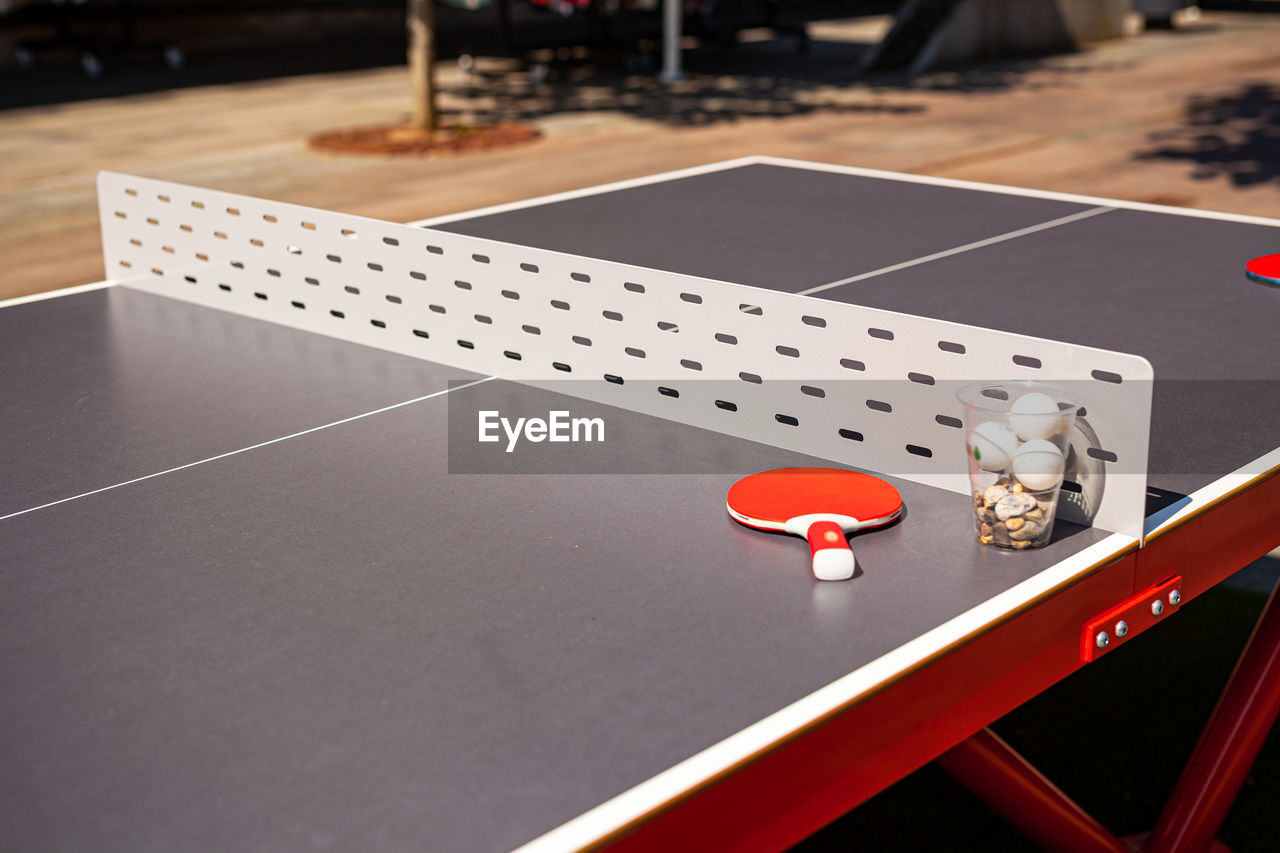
{"points": [[404, 139]]}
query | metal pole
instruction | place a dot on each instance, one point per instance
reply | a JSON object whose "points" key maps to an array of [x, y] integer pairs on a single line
{"points": [[1230, 743], [1003, 779], [672, 14]]}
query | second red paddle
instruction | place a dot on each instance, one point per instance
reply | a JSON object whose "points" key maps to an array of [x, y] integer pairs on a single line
{"points": [[1265, 269], [821, 504]]}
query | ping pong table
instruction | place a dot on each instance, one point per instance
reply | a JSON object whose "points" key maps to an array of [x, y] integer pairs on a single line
{"points": [[262, 585]]}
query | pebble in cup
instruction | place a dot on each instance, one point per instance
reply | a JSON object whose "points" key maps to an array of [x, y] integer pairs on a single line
{"points": [[1016, 435]]}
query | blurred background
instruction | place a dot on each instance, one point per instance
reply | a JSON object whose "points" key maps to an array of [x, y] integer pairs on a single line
{"points": [[1150, 100]]}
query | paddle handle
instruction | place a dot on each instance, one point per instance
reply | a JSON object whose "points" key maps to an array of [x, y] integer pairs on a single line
{"points": [[832, 557]]}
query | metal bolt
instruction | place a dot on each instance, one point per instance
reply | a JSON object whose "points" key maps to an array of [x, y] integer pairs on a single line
{"points": [[1157, 607], [1175, 598], [1122, 628], [1102, 640]]}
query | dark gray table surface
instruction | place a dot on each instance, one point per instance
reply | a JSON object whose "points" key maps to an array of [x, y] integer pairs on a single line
{"points": [[1170, 288], [331, 642]]}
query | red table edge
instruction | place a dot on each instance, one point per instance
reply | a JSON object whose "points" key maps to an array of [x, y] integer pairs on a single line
{"points": [[1238, 521], [802, 782], [806, 780]]}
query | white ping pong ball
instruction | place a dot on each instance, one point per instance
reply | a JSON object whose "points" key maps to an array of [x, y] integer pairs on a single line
{"points": [[992, 445], [1038, 465], [1034, 415]]}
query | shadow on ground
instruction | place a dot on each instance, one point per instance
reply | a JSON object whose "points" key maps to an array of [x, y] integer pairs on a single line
{"points": [[240, 46], [755, 80], [762, 79], [561, 66], [1234, 136], [1054, 71]]}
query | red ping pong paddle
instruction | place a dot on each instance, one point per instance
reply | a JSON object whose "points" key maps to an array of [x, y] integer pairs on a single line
{"points": [[1265, 269], [821, 504]]}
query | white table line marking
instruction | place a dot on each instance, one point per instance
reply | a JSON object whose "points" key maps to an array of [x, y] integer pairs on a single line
{"points": [[957, 250], [247, 449]]}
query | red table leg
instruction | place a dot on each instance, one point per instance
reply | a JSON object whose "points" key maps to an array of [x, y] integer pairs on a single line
{"points": [[1003, 779], [1230, 742]]}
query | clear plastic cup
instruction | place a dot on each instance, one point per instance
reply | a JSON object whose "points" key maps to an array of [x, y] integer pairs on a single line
{"points": [[1016, 435]]}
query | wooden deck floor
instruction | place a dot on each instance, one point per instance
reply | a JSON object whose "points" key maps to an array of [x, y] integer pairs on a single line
{"points": [[1189, 117]]}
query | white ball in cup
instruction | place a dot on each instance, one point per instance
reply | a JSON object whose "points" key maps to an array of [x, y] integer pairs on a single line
{"points": [[1039, 465], [1034, 416], [992, 445]]}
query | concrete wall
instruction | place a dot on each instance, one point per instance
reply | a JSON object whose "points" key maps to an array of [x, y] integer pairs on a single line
{"points": [[1095, 20], [993, 29]]}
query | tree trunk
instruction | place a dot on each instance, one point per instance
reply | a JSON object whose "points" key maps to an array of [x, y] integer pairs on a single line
{"points": [[421, 24]]}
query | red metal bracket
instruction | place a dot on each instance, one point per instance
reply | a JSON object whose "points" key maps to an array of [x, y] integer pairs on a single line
{"points": [[1129, 618]]}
